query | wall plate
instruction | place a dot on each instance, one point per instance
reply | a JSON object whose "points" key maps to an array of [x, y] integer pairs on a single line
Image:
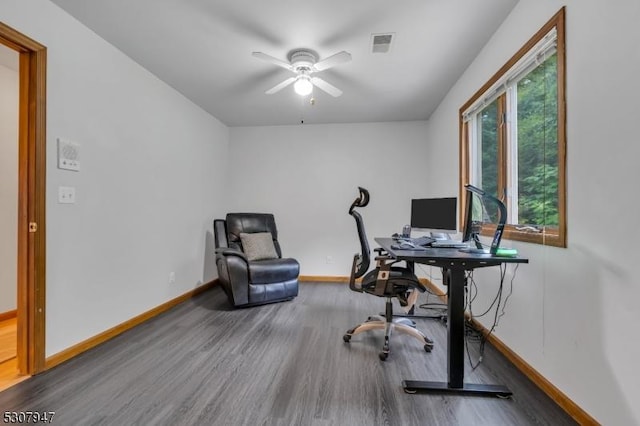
{"points": [[66, 195], [68, 155]]}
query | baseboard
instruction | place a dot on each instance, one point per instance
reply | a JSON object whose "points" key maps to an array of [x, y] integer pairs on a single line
{"points": [[94, 341], [336, 279], [324, 278], [563, 401], [570, 407], [578, 414], [8, 315]]}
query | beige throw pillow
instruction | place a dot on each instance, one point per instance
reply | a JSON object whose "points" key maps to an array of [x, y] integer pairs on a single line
{"points": [[258, 246]]}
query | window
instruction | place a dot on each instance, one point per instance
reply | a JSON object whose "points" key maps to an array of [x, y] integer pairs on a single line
{"points": [[513, 142]]}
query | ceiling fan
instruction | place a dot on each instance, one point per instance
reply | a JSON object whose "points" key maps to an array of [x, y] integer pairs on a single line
{"points": [[304, 62]]}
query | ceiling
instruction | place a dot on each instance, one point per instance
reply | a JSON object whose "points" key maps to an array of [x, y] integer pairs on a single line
{"points": [[203, 49]]}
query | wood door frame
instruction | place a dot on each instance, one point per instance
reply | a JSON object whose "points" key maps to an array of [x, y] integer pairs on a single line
{"points": [[31, 198]]}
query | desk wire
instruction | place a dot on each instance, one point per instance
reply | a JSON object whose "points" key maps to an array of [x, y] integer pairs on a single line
{"points": [[435, 306], [471, 293]]}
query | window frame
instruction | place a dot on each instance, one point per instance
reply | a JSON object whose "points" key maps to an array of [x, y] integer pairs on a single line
{"points": [[549, 236]]}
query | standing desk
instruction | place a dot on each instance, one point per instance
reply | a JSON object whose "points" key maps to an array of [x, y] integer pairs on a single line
{"points": [[457, 263]]}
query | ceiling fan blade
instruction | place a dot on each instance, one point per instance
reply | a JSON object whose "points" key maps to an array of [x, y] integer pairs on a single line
{"points": [[273, 60], [280, 86], [331, 61], [323, 85]]}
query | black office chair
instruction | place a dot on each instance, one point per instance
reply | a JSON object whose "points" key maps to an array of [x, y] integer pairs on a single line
{"points": [[386, 281]]}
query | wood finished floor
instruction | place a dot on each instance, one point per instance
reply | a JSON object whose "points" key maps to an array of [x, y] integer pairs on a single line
{"points": [[8, 339], [202, 363], [9, 374]]}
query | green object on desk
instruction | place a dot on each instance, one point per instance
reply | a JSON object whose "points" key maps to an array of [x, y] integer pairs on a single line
{"points": [[506, 252]]}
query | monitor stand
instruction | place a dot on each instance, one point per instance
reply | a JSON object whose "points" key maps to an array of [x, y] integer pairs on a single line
{"points": [[478, 249], [440, 235]]}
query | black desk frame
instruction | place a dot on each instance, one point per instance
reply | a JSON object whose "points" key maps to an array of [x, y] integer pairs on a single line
{"points": [[458, 263]]}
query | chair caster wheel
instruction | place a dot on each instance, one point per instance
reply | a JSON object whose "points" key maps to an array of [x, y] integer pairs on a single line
{"points": [[346, 338], [383, 356], [428, 347]]}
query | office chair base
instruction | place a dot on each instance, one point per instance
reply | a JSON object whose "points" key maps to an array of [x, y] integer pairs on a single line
{"points": [[416, 386], [398, 324], [399, 320]]}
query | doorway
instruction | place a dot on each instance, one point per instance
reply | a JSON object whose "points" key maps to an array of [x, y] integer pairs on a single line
{"points": [[9, 100], [31, 184]]}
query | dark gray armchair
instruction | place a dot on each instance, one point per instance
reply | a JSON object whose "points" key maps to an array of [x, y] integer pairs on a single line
{"points": [[251, 269]]}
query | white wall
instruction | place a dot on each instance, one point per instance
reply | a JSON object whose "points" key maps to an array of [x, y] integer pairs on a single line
{"points": [[8, 187], [154, 168], [572, 314], [152, 178], [307, 175]]}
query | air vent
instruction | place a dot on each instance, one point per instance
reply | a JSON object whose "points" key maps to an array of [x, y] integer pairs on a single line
{"points": [[381, 43]]}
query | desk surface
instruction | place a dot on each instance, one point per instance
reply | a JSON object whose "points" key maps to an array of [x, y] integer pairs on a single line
{"points": [[444, 256]]}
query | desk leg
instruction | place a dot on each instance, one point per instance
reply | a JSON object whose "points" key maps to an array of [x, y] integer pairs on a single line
{"points": [[455, 326], [455, 350]]}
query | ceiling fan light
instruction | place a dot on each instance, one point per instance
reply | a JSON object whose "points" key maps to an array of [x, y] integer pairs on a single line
{"points": [[303, 86]]}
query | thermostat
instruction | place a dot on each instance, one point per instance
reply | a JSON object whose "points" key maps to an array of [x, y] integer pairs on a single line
{"points": [[68, 155]]}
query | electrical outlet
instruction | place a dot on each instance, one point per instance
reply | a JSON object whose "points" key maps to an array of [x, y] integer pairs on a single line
{"points": [[172, 277]]}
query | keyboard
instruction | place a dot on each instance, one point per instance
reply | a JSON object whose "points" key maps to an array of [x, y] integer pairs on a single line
{"points": [[422, 241], [448, 244]]}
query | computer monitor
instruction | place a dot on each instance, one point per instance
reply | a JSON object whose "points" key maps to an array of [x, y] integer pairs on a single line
{"points": [[435, 214], [483, 208]]}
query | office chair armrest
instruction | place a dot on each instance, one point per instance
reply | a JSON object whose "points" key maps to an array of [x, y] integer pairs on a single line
{"points": [[384, 256], [225, 251], [384, 260]]}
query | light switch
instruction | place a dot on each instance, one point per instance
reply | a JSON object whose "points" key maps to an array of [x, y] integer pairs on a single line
{"points": [[66, 195]]}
